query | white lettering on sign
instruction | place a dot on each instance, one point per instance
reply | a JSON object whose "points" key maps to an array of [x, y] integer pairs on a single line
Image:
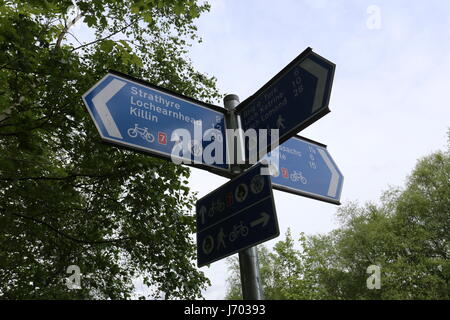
{"points": [[152, 105], [155, 98]]}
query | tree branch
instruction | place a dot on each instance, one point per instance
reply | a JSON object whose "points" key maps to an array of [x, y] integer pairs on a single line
{"points": [[3, 117], [59, 232], [107, 37], [46, 120], [66, 29], [70, 33], [70, 176]]}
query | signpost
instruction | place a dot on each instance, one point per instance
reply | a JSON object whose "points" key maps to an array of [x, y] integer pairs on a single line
{"points": [[306, 168], [238, 215], [292, 100], [134, 114]]}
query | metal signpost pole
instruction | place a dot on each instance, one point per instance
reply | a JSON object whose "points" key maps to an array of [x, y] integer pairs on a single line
{"points": [[248, 258]]}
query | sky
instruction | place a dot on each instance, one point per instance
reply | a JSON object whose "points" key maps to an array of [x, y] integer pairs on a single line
{"points": [[389, 103]]}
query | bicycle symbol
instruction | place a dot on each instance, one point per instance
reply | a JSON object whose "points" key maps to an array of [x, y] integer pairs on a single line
{"points": [[216, 206], [215, 133], [142, 132], [195, 148], [238, 230], [298, 176]]}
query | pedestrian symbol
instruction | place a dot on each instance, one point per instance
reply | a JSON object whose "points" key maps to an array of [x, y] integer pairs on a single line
{"points": [[280, 122], [221, 239]]}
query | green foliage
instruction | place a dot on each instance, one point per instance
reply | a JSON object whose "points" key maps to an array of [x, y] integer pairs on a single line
{"points": [[65, 197], [278, 269], [407, 235], [234, 279]]}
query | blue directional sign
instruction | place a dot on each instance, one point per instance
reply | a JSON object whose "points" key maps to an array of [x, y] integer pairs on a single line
{"points": [[295, 98], [306, 168], [238, 215], [138, 115]]}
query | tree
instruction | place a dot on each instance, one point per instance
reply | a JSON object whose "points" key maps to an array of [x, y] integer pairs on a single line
{"points": [[277, 270], [66, 198], [406, 235]]}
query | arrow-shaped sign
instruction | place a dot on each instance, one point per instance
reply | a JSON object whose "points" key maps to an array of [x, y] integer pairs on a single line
{"points": [[99, 102], [321, 74], [292, 100], [134, 114], [263, 220], [225, 227], [332, 188], [306, 168]]}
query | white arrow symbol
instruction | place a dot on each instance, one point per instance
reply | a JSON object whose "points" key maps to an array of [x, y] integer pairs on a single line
{"points": [[100, 101], [263, 220], [332, 189], [321, 74]]}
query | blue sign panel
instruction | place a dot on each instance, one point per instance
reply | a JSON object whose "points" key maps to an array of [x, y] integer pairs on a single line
{"points": [[238, 215], [306, 168], [134, 114], [293, 99]]}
